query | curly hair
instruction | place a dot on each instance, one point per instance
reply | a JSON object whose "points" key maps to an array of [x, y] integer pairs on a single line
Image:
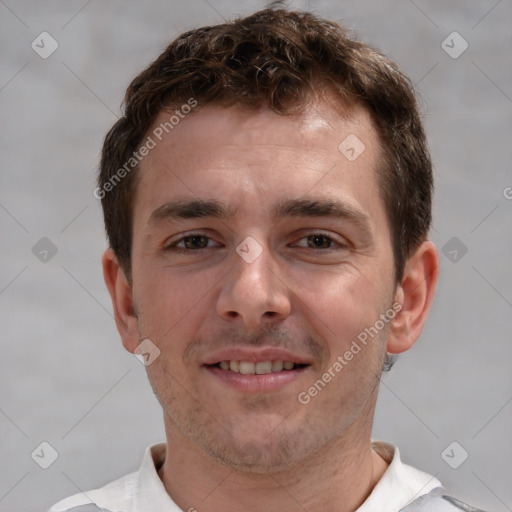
{"points": [[280, 60]]}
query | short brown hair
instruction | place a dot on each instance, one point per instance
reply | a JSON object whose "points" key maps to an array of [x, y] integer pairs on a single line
{"points": [[277, 59]]}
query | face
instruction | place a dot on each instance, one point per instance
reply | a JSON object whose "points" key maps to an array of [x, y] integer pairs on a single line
{"points": [[259, 246]]}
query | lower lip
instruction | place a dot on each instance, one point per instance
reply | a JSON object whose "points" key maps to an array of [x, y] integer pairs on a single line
{"points": [[256, 383]]}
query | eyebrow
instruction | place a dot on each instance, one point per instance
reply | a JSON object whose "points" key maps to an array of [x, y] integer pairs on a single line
{"points": [[303, 207], [319, 207], [191, 209]]}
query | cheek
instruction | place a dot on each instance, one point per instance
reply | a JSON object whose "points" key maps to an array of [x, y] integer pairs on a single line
{"points": [[343, 310], [342, 303], [343, 314], [169, 302]]}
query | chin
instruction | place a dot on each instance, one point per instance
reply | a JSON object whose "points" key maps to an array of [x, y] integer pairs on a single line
{"points": [[262, 452], [254, 457]]}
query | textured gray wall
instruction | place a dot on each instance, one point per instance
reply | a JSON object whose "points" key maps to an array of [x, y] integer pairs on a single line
{"points": [[65, 377]]}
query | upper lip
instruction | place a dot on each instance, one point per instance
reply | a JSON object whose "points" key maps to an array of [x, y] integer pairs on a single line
{"points": [[255, 355]]}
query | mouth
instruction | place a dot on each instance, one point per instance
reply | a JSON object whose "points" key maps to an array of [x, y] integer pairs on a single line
{"points": [[257, 368], [256, 371]]}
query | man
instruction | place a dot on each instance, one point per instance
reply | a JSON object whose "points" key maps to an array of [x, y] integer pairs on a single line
{"points": [[267, 200]]}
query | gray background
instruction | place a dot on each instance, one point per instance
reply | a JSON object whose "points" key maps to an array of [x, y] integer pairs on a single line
{"points": [[66, 378]]}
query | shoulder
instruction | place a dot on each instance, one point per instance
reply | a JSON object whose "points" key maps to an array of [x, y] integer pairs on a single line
{"points": [[137, 491], [403, 484], [114, 496], [438, 501]]}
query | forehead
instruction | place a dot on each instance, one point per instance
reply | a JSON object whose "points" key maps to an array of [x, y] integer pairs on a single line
{"points": [[314, 130], [247, 157]]}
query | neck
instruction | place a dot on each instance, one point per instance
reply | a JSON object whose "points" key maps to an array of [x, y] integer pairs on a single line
{"points": [[339, 477]]}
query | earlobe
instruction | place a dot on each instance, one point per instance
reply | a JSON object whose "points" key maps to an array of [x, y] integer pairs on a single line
{"points": [[415, 292], [122, 300]]}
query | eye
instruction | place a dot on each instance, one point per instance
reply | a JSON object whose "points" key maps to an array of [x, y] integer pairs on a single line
{"points": [[193, 242], [318, 241]]}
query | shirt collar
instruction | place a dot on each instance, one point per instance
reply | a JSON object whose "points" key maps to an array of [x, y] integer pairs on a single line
{"points": [[151, 493], [399, 486]]}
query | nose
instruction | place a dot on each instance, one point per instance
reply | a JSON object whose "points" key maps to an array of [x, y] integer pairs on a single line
{"points": [[253, 293]]}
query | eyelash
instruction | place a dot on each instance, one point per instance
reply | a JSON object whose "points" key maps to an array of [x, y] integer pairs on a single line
{"points": [[173, 246]]}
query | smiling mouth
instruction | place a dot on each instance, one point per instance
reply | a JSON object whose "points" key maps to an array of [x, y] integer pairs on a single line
{"points": [[259, 368]]}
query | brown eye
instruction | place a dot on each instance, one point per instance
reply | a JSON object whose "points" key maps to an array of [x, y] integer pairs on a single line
{"points": [[190, 243], [195, 242], [319, 241]]}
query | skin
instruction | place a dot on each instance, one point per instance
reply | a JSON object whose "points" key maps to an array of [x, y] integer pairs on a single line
{"points": [[236, 450]]}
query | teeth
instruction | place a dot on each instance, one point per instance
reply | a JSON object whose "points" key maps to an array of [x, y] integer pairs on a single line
{"points": [[260, 368], [263, 367], [277, 366], [247, 368]]}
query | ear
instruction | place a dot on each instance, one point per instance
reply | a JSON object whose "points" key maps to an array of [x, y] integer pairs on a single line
{"points": [[415, 293], [122, 300]]}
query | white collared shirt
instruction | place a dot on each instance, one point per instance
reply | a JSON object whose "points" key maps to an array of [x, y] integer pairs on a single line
{"points": [[143, 491]]}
